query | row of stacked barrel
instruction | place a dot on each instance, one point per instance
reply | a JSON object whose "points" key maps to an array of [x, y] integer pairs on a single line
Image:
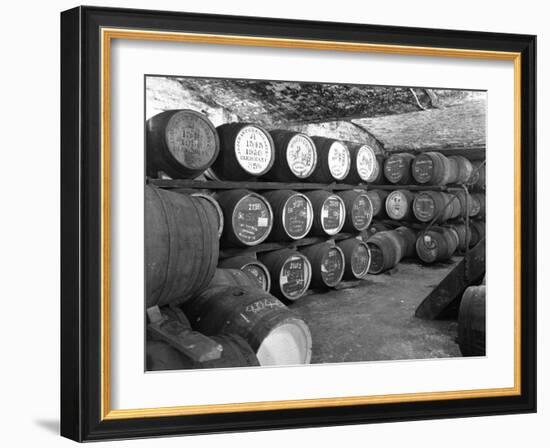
{"points": [[184, 144]]}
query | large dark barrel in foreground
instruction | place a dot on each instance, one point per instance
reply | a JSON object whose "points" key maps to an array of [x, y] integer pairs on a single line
{"points": [[397, 168], [292, 215], [236, 353], [247, 216], [356, 257], [471, 321], [428, 205], [246, 152], [277, 335], [387, 248], [399, 205], [433, 168], [358, 210], [327, 264], [437, 244], [364, 166], [181, 143], [378, 201], [295, 156], [333, 160], [251, 266], [290, 273], [181, 245], [329, 212]]}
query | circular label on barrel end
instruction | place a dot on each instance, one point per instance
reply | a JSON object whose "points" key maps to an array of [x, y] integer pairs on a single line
{"points": [[301, 156], [253, 150], [424, 207], [332, 215], [257, 273], [252, 220], [297, 216], [423, 168], [338, 160], [332, 267], [394, 168], [397, 205], [361, 212], [295, 277], [376, 258], [191, 139], [366, 163], [360, 260]]}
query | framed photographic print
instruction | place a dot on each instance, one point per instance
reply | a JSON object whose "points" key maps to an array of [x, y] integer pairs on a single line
{"points": [[276, 224]]}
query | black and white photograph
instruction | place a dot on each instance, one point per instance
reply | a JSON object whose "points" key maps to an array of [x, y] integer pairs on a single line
{"points": [[291, 223]]}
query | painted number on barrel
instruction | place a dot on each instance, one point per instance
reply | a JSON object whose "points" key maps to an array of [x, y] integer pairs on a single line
{"points": [[253, 150], [301, 156]]}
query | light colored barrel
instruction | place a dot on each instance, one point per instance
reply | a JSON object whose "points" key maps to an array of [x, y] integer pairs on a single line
{"points": [[295, 156], [327, 264], [277, 335], [358, 210], [465, 169], [329, 213], [399, 205], [247, 152], [356, 257], [292, 215], [333, 160], [251, 266], [181, 143], [290, 273], [248, 217], [364, 164], [181, 246], [471, 321]]}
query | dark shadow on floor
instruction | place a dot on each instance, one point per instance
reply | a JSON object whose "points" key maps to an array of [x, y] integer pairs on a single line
{"points": [[49, 425]]}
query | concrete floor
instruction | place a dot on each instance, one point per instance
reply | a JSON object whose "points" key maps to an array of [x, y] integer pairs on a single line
{"points": [[374, 320]]}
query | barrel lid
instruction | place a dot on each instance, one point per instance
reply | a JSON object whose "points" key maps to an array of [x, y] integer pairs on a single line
{"points": [[192, 139], [301, 155], [366, 163], [252, 219], [338, 160], [295, 276], [360, 260], [332, 266], [259, 273], [297, 216], [361, 211], [397, 204], [254, 150], [333, 214]]}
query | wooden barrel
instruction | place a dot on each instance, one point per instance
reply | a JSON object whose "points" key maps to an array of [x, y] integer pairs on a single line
{"points": [[364, 166], [375, 227], [478, 231], [248, 217], [436, 244], [295, 156], [397, 168], [247, 151], [251, 266], [358, 210], [387, 248], [232, 277], [180, 143], [428, 205], [409, 236], [219, 212], [471, 321], [356, 257], [333, 160], [292, 215], [399, 205], [433, 168], [329, 212], [466, 203], [290, 273], [378, 201], [277, 335], [327, 264], [464, 169], [478, 205], [478, 176], [464, 238], [181, 246], [235, 353]]}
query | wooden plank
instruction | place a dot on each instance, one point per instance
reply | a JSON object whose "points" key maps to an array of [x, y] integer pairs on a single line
{"points": [[444, 299]]}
